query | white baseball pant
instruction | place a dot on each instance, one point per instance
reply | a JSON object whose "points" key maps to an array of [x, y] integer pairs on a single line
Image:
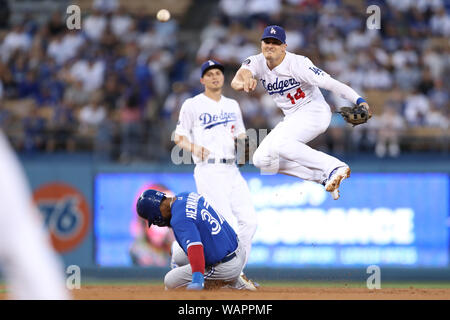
{"points": [[226, 190], [284, 149], [227, 272]]}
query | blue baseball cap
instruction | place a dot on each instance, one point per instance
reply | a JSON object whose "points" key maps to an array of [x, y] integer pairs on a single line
{"points": [[211, 64], [275, 32], [148, 206]]}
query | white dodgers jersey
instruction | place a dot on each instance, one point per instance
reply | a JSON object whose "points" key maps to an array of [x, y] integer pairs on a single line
{"points": [[291, 84], [211, 124]]}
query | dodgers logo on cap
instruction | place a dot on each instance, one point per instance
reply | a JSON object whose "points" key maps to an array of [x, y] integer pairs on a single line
{"points": [[274, 32], [210, 64]]}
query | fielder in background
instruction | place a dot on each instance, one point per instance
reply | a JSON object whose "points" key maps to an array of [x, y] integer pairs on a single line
{"points": [[293, 82], [208, 126], [211, 251], [30, 267]]}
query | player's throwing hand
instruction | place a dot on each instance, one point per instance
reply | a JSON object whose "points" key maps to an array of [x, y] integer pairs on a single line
{"points": [[250, 84]]}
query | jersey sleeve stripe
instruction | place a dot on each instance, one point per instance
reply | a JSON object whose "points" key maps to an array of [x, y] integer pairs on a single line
{"points": [[194, 243]]}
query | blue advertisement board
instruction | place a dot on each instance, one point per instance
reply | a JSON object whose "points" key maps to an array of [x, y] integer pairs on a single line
{"points": [[385, 219]]}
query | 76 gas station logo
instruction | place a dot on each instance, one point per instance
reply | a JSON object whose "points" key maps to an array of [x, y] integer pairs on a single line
{"points": [[66, 214]]}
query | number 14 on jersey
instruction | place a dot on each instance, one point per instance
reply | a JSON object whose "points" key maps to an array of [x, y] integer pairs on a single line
{"points": [[299, 94]]}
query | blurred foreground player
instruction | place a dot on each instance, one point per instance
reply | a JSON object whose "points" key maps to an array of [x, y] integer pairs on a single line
{"points": [[29, 265], [212, 255]]}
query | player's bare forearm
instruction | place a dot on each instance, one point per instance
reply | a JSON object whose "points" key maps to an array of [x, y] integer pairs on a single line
{"points": [[184, 143]]}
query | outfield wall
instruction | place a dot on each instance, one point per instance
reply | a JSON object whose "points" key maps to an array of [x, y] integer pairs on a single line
{"points": [[392, 213]]}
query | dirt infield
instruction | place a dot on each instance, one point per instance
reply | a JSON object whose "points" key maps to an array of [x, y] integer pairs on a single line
{"points": [[157, 292]]}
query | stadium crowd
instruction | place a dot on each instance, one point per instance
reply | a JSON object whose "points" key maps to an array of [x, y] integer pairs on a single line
{"points": [[115, 87]]}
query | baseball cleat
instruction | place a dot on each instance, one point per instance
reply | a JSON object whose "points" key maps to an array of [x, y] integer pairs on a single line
{"points": [[247, 283], [336, 177], [335, 194]]}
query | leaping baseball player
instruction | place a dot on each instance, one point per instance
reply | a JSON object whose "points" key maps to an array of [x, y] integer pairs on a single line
{"points": [[293, 81], [211, 251], [208, 126]]}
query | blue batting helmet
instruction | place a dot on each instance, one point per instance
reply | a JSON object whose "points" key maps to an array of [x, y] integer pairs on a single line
{"points": [[147, 207]]}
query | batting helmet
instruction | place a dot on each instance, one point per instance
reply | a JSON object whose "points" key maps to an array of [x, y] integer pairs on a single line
{"points": [[148, 205]]}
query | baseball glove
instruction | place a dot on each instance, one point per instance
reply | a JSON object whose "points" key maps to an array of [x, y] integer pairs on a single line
{"points": [[355, 115], [242, 147]]}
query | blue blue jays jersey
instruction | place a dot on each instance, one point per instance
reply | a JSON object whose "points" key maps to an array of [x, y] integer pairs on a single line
{"points": [[194, 221]]}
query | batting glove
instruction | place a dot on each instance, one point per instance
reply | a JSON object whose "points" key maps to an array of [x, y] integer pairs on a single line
{"points": [[198, 282]]}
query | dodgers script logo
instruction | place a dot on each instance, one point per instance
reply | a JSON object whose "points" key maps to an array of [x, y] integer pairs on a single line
{"points": [[211, 120], [66, 214], [280, 86]]}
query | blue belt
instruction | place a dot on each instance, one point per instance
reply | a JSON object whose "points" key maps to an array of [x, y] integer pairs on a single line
{"points": [[227, 258], [221, 160]]}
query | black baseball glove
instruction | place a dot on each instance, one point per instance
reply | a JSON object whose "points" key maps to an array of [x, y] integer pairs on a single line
{"points": [[242, 147], [355, 115]]}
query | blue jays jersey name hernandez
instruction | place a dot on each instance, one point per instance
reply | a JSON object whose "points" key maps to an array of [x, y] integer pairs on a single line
{"points": [[211, 124], [292, 84], [194, 221]]}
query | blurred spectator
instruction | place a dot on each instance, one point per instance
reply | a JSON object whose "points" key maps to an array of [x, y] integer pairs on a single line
{"points": [[62, 128], [159, 64], [213, 30], [120, 22], [439, 95], [175, 99], [262, 9], [390, 126], [233, 9], [16, 39], [111, 92], [434, 60], [28, 87], [90, 72], [377, 78], [407, 77], [56, 25], [130, 129], [440, 23], [436, 118], [416, 108], [106, 6], [406, 55], [92, 115], [94, 25], [331, 44], [75, 93], [34, 127]]}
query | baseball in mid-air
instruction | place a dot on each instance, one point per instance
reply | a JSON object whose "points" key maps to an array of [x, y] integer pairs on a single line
{"points": [[163, 15]]}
